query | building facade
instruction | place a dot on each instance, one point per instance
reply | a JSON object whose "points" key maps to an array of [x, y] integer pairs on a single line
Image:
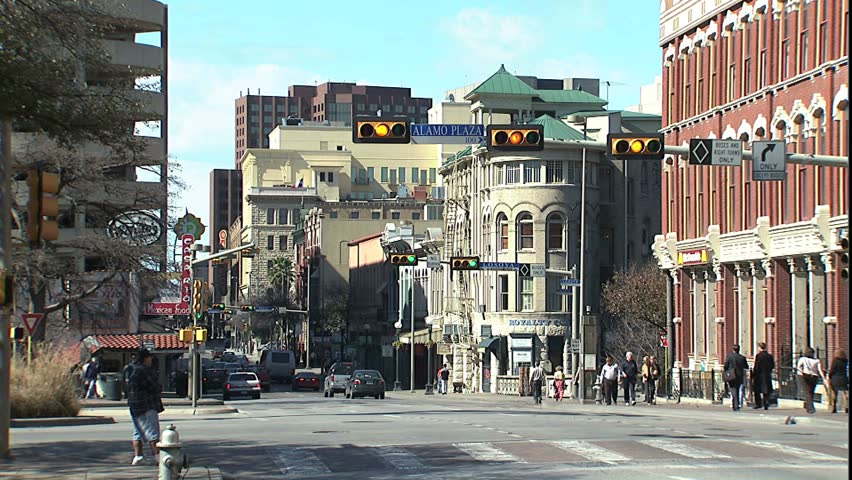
{"points": [[754, 261], [257, 115], [226, 194]]}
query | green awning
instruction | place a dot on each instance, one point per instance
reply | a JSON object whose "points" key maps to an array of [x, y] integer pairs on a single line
{"points": [[486, 343]]}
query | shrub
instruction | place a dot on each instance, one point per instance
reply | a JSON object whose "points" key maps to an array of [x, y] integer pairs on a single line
{"points": [[44, 387]]}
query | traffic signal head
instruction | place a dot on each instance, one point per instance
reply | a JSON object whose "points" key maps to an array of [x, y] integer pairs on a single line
{"points": [[246, 308], [186, 335], [844, 257], [464, 263], [403, 259], [515, 138], [380, 130], [43, 206], [636, 146], [16, 333], [7, 288], [218, 306], [201, 335]]}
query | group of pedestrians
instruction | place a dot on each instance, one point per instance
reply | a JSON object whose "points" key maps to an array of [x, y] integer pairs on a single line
{"points": [[628, 373]]}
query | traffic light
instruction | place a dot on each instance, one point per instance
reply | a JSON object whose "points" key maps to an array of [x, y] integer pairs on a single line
{"points": [[380, 130], [464, 263], [43, 206], [197, 296], [16, 333], [186, 335], [403, 259], [515, 138], [7, 288], [626, 146], [218, 306], [844, 257], [246, 308], [201, 335]]}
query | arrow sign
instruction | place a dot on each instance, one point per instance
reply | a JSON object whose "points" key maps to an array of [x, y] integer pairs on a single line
{"points": [[31, 321], [770, 147], [772, 164]]}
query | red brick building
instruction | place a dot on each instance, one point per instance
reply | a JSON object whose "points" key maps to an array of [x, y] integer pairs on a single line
{"points": [[750, 260]]}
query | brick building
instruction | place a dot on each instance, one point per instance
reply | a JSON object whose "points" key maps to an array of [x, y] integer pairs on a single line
{"points": [[755, 261]]}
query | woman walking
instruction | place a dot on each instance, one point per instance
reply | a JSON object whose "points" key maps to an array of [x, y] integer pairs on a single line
{"points": [[810, 370], [649, 377], [838, 380], [559, 384]]}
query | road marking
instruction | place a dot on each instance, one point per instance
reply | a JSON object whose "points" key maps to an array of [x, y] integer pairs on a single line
{"points": [[799, 452], [486, 452], [400, 458], [590, 451], [682, 449], [680, 478], [298, 461], [844, 445], [392, 416]]}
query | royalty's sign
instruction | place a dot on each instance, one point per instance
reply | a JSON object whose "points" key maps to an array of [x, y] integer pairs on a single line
{"points": [[137, 228]]}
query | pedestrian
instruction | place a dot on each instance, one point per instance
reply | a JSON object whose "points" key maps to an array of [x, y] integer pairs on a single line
{"points": [[838, 380], [610, 374], [629, 372], [810, 369], [734, 373], [445, 380], [90, 377], [761, 375], [143, 398], [536, 379], [648, 380], [559, 384]]}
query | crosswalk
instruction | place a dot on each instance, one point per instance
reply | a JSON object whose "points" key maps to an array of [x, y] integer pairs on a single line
{"points": [[324, 462]]}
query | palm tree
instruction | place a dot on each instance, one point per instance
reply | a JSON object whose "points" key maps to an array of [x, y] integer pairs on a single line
{"points": [[281, 274]]}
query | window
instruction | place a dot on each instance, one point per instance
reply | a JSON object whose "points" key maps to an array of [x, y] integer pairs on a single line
{"points": [[554, 297], [322, 176], [297, 215], [282, 243], [401, 175], [553, 173], [433, 176], [823, 40], [283, 215], [532, 172], [393, 177], [502, 293], [746, 76], [270, 242], [785, 59], [415, 215], [762, 80], [526, 294], [376, 215], [415, 174], [555, 229], [803, 194], [330, 177], [384, 175], [732, 82], [269, 264], [503, 228], [371, 174], [525, 231], [354, 215], [270, 216], [332, 214], [803, 57], [394, 215], [513, 173]]}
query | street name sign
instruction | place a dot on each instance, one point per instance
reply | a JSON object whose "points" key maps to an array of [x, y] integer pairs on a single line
{"points": [[499, 266], [264, 309], [537, 270], [447, 133], [569, 282], [769, 160], [718, 152]]}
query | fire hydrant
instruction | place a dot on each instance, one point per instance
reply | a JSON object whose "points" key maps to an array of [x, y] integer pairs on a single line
{"points": [[598, 389], [171, 460]]}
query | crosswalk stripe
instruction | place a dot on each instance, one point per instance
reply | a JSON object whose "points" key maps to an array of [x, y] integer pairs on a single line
{"points": [[590, 451], [682, 449], [486, 452], [799, 452], [400, 458], [298, 461]]}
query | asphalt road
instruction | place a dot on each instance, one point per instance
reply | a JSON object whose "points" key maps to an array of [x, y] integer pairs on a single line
{"points": [[302, 435]]}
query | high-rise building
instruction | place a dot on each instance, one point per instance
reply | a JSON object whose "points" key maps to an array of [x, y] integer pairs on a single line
{"points": [[256, 115], [755, 261], [226, 193]]}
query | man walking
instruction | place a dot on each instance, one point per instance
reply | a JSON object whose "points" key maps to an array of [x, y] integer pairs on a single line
{"points": [[143, 398], [90, 377], [735, 368], [629, 371], [609, 381], [444, 380], [764, 364], [536, 380]]}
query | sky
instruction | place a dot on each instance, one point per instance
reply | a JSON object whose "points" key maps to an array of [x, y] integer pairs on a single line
{"points": [[218, 49]]}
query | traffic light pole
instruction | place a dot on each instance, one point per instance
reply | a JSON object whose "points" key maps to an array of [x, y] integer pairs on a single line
{"points": [[5, 313], [581, 333], [308, 322], [412, 329]]}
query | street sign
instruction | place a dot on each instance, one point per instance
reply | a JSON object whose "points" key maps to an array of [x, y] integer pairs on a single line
{"points": [[264, 309], [575, 344], [664, 342], [524, 270], [537, 270], [433, 260], [499, 265], [569, 282], [214, 310], [769, 161], [711, 151], [148, 345], [448, 134], [31, 321]]}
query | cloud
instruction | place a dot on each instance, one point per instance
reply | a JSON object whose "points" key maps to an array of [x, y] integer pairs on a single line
{"points": [[490, 38]]}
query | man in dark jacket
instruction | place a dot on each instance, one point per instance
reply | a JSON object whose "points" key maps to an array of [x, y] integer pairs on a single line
{"points": [[737, 364], [764, 364], [629, 371], [143, 398]]}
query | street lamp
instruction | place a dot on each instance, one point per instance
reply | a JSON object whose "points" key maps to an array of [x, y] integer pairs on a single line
{"points": [[397, 385], [429, 385]]}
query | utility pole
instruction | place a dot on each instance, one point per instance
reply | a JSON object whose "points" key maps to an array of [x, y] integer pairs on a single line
{"points": [[308, 324], [6, 313], [412, 328], [581, 334]]}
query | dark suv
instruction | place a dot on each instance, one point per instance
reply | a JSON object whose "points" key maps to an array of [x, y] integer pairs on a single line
{"points": [[336, 378]]}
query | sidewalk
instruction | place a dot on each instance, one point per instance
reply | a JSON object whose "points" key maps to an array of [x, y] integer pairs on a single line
{"points": [[75, 472], [167, 402]]}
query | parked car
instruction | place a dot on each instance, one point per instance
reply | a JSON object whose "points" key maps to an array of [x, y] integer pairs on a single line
{"points": [[365, 383], [305, 381], [241, 383], [280, 363], [262, 375], [335, 380]]}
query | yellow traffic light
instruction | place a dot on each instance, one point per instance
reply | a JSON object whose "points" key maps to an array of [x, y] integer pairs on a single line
{"points": [[7, 288], [201, 335], [380, 130], [515, 137], [636, 146], [43, 206]]}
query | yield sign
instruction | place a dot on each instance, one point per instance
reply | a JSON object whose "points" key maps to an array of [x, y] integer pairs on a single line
{"points": [[31, 321]]}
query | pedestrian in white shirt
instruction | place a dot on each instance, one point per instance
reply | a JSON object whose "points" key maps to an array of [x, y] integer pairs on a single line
{"points": [[810, 370], [609, 381], [536, 380]]}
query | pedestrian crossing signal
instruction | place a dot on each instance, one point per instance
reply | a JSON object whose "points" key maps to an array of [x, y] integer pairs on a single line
{"points": [[626, 146], [516, 138], [464, 263], [380, 130], [403, 259]]}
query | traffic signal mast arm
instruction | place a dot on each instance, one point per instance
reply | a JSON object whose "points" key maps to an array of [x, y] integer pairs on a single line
{"points": [[223, 253]]}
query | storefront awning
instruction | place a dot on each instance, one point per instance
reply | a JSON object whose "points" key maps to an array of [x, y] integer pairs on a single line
{"points": [[487, 343]]}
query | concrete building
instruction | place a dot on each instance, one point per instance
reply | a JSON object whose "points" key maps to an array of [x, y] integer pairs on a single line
{"points": [[750, 260], [226, 194], [525, 207], [255, 116]]}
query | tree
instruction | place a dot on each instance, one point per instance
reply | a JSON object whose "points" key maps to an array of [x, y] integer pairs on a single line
{"points": [[281, 274], [335, 313], [76, 113], [635, 303]]}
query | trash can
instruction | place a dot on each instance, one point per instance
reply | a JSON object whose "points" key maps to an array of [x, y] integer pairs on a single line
{"points": [[112, 386]]}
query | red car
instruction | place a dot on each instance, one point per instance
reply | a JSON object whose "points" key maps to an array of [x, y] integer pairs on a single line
{"points": [[306, 381]]}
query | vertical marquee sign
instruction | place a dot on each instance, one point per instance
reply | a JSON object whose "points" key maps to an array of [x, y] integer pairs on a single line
{"points": [[186, 242]]}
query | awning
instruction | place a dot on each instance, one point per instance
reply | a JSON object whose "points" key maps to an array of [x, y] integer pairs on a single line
{"points": [[420, 337], [486, 343]]}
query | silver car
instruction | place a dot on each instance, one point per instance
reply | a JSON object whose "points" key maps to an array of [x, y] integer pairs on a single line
{"points": [[335, 380], [241, 383]]}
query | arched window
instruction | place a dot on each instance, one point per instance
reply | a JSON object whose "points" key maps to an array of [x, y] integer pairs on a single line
{"points": [[502, 232], [525, 231], [555, 232]]}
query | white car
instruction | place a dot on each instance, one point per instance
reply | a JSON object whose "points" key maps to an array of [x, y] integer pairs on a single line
{"points": [[241, 383]]}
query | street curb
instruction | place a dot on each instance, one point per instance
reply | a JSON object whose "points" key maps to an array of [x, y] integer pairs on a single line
{"points": [[60, 421], [123, 404]]}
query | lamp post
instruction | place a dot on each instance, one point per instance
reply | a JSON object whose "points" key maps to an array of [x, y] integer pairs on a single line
{"points": [[429, 385], [397, 385]]}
